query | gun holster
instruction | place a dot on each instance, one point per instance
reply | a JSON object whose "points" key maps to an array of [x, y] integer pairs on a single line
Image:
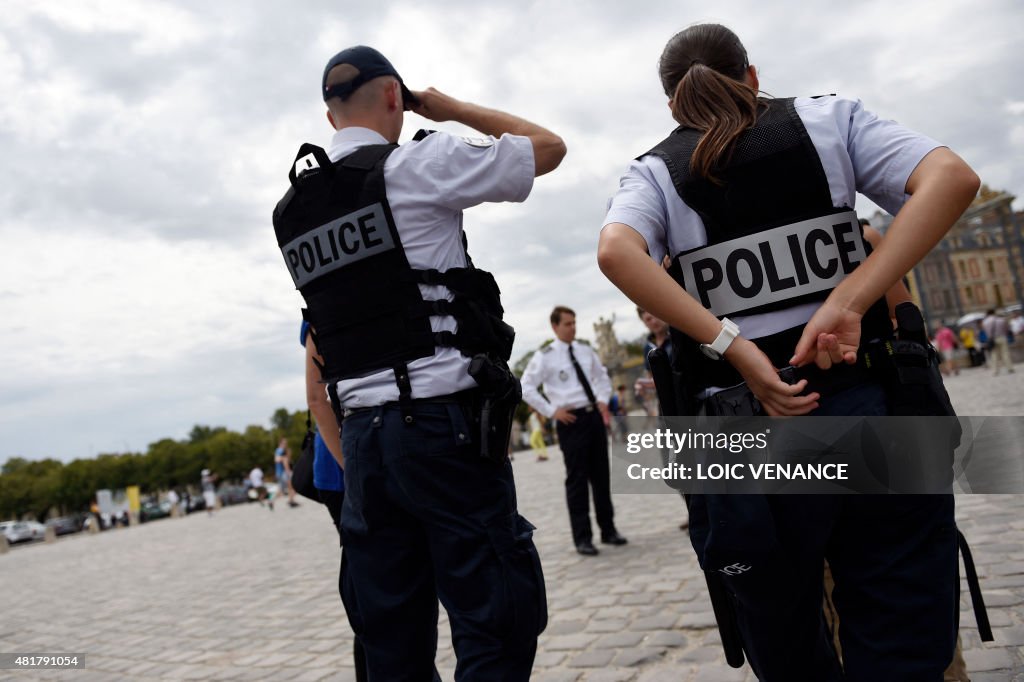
{"points": [[500, 394]]}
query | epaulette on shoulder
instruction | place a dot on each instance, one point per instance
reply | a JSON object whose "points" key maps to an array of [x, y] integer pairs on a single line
{"points": [[831, 94], [546, 349], [420, 134]]}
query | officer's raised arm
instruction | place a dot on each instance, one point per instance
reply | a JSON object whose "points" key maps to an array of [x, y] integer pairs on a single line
{"points": [[548, 148]]}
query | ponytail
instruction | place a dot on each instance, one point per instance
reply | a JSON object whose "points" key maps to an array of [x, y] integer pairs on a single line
{"points": [[719, 106], [702, 70]]}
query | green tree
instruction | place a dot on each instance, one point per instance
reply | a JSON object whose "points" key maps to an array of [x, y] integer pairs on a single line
{"points": [[258, 446], [200, 433], [281, 420], [13, 465]]}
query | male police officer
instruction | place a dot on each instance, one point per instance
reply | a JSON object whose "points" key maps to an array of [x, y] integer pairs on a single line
{"points": [[372, 235], [577, 388]]}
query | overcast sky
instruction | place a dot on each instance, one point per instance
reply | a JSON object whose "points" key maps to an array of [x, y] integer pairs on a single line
{"points": [[145, 144]]}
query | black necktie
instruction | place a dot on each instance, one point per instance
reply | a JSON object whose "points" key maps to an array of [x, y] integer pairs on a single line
{"points": [[582, 377]]}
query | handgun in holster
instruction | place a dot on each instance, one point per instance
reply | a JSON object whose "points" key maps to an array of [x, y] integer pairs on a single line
{"points": [[914, 387], [500, 394]]}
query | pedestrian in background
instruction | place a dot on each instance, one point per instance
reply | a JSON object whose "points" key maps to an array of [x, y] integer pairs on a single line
{"points": [[536, 424], [945, 343], [576, 393], [998, 333], [283, 471], [208, 484]]}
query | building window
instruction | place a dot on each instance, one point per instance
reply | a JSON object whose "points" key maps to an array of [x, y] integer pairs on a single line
{"points": [[963, 270], [974, 268], [968, 295], [979, 290], [991, 267]]}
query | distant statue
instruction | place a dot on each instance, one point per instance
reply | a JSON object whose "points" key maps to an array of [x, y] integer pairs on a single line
{"points": [[611, 352]]}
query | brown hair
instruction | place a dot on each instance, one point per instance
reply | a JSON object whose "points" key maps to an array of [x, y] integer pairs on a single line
{"points": [[556, 314], [702, 69]]}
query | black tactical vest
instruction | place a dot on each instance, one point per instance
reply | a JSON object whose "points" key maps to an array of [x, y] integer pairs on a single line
{"points": [[775, 240], [345, 256]]}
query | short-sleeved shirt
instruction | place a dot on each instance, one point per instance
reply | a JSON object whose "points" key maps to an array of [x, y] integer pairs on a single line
{"points": [[944, 339], [429, 183], [859, 152], [552, 367]]}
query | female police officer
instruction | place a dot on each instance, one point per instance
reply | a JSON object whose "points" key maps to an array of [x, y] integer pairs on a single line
{"points": [[752, 200]]}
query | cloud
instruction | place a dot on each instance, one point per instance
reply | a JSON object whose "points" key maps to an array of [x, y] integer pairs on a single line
{"points": [[145, 146]]}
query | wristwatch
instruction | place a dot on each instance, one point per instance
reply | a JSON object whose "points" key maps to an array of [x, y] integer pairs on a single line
{"points": [[716, 349]]}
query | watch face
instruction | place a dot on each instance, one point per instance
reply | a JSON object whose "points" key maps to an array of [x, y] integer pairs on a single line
{"points": [[710, 352]]}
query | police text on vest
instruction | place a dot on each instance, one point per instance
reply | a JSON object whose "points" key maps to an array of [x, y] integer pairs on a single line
{"points": [[343, 241], [775, 265]]}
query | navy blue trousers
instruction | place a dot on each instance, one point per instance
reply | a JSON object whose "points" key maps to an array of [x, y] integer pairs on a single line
{"points": [[426, 518], [894, 559], [584, 445]]}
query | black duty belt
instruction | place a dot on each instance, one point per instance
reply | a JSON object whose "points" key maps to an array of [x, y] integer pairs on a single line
{"points": [[583, 410], [829, 382]]}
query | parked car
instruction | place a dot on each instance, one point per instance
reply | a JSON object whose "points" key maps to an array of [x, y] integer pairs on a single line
{"points": [[65, 525], [232, 494], [150, 511], [37, 529], [194, 503], [16, 531]]}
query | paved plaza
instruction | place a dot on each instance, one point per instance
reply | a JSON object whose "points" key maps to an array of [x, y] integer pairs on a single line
{"points": [[250, 594]]}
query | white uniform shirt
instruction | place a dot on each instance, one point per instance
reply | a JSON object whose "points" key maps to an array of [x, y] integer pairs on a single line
{"points": [[552, 368], [858, 151], [429, 183], [256, 477]]}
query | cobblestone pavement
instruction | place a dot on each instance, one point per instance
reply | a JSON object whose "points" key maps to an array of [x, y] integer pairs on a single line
{"points": [[250, 594]]}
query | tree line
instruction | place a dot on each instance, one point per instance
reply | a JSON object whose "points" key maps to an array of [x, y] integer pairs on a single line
{"points": [[44, 487]]}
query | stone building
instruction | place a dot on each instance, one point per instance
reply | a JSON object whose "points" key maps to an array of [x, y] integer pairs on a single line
{"points": [[978, 265]]}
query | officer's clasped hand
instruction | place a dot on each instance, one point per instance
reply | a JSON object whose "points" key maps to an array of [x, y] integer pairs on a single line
{"points": [[831, 337], [778, 398]]}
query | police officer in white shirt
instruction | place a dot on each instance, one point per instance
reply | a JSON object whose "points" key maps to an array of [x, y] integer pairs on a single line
{"points": [[577, 389], [752, 199], [372, 235]]}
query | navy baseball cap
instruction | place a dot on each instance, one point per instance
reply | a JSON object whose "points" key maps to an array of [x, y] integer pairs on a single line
{"points": [[369, 64]]}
